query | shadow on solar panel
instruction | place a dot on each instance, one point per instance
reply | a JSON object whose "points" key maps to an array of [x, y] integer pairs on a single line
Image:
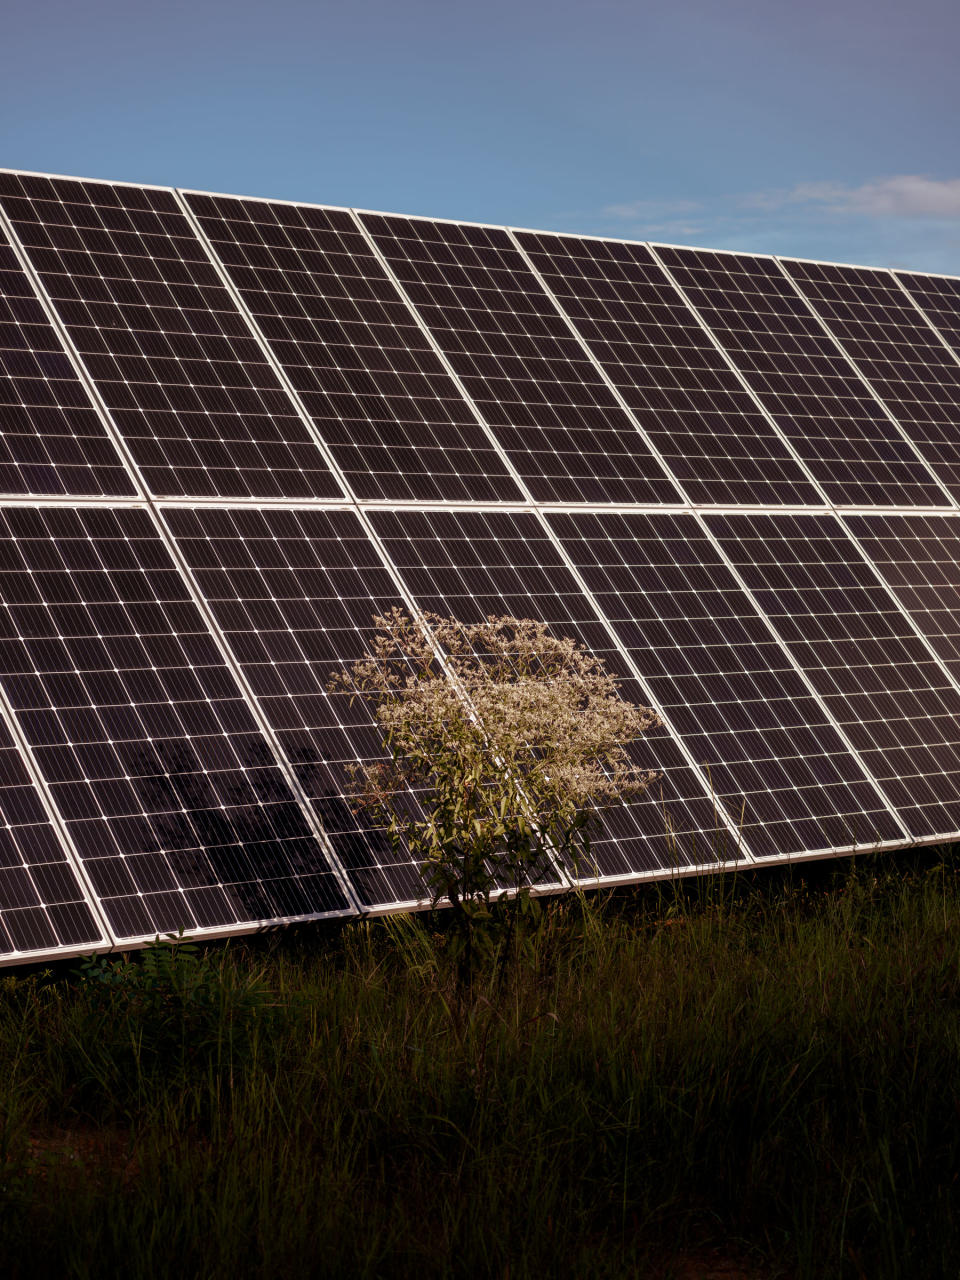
{"points": [[293, 593]]}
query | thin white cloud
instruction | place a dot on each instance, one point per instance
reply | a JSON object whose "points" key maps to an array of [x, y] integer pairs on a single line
{"points": [[653, 209], [909, 219], [901, 196], [668, 232]]}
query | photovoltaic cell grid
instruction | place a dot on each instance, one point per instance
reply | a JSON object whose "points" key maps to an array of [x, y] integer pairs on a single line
{"points": [[556, 418], [939, 296], [877, 678], [472, 564], [363, 368], [813, 394], [295, 593], [169, 791], [714, 438], [186, 383], [915, 375], [919, 558], [725, 683], [51, 438], [42, 907]]}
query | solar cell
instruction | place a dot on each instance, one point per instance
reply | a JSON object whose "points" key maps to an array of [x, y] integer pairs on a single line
{"points": [[895, 349], [919, 559], [851, 447], [51, 438], [699, 417], [470, 564], [363, 368], [532, 380], [42, 906], [186, 383], [874, 673], [295, 592], [170, 793], [725, 683]]}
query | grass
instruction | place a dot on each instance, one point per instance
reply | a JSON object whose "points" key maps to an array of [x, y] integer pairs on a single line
{"points": [[763, 1069]]}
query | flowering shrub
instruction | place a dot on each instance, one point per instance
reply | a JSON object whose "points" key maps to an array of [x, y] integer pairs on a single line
{"points": [[504, 741]]}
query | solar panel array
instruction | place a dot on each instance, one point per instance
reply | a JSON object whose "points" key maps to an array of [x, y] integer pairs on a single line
{"points": [[234, 430]]}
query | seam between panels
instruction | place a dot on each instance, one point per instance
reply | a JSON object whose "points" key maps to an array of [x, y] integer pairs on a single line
{"points": [[719, 805], [149, 504], [868, 773], [534, 506], [440, 504], [915, 303], [605, 377], [442, 357], [865, 380]]}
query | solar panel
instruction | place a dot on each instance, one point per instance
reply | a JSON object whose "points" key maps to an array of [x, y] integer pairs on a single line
{"points": [[919, 559], [186, 383], [816, 399], [470, 564], [43, 909], [939, 297], [875, 675], [167, 787], [51, 438], [233, 430], [915, 375], [536, 386], [725, 683], [717, 442], [363, 368], [295, 592]]}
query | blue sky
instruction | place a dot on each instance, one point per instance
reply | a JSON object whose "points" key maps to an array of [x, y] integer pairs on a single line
{"points": [[820, 128]]}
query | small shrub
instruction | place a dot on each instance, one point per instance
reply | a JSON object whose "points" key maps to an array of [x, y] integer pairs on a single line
{"points": [[504, 742], [169, 1010]]}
